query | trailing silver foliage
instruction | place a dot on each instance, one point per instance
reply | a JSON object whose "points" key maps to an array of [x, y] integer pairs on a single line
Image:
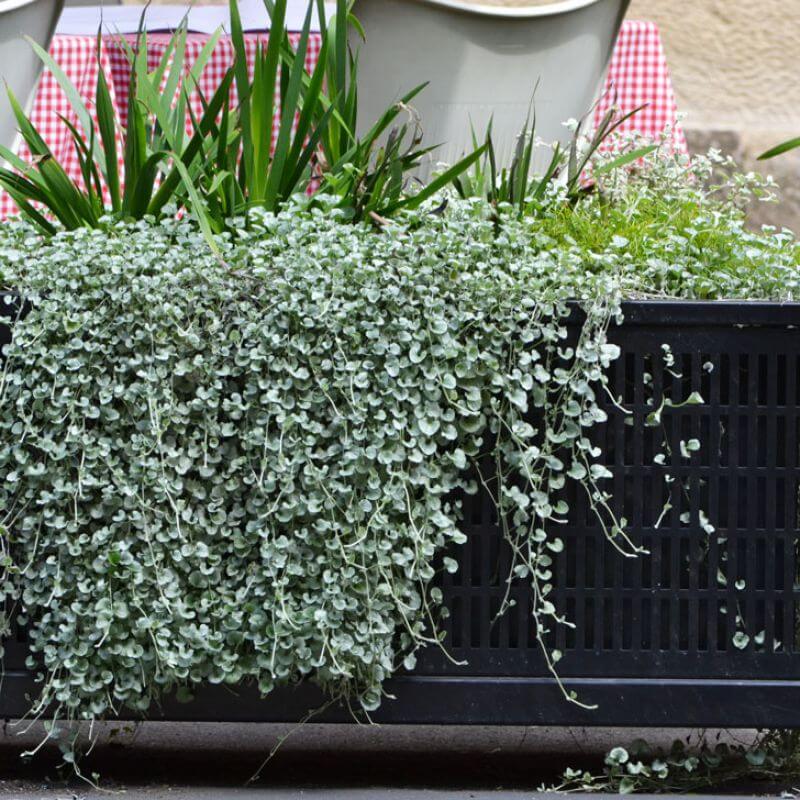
{"points": [[242, 468], [216, 472]]}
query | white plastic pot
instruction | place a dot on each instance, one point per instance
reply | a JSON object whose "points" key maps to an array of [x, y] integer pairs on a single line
{"points": [[19, 65], [485, 62]]}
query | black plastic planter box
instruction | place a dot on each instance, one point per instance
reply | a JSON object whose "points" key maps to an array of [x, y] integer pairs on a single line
{"points": [[655, 639]]}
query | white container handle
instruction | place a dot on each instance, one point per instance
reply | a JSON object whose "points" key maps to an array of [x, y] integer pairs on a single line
{"points": [[483, 64], [13, 5], [20, 67], [511, 12]]}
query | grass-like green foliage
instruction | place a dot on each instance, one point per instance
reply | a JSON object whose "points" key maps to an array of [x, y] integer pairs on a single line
{"points": [[371, 173], [235, 159], [242, 468], [517, 184], [231, 161], [155, 147], [272, 168], [779, 150]]}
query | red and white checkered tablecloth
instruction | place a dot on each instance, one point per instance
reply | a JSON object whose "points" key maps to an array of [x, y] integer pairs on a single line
{"points": [[638, 74], [78, 58]]}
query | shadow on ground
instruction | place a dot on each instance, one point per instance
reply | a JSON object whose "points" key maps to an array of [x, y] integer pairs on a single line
{"points": [[313, 755], [157, 760]]}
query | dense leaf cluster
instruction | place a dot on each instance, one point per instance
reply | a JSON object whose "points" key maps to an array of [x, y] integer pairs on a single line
{"points": [[215, 471], [243, 468]]}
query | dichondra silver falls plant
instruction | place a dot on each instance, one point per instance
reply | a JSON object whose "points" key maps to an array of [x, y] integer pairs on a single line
{"points": [[243, 469]]}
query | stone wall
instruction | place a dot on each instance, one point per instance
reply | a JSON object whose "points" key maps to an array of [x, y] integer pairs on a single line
{"points": [[736, 69]]}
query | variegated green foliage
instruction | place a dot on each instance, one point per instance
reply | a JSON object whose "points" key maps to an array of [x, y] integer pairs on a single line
{"points": [[244, 470], [785, 147]]}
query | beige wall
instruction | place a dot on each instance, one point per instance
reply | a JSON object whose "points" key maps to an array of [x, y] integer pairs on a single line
{"points": [[735, 63]]}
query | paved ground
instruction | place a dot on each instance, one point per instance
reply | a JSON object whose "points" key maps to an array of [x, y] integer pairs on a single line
{"points": [[222, 793], [160, 761]]}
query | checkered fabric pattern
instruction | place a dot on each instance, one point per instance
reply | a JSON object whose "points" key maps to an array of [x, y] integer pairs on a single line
{"points": [[78, 58], [638, 74]]}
